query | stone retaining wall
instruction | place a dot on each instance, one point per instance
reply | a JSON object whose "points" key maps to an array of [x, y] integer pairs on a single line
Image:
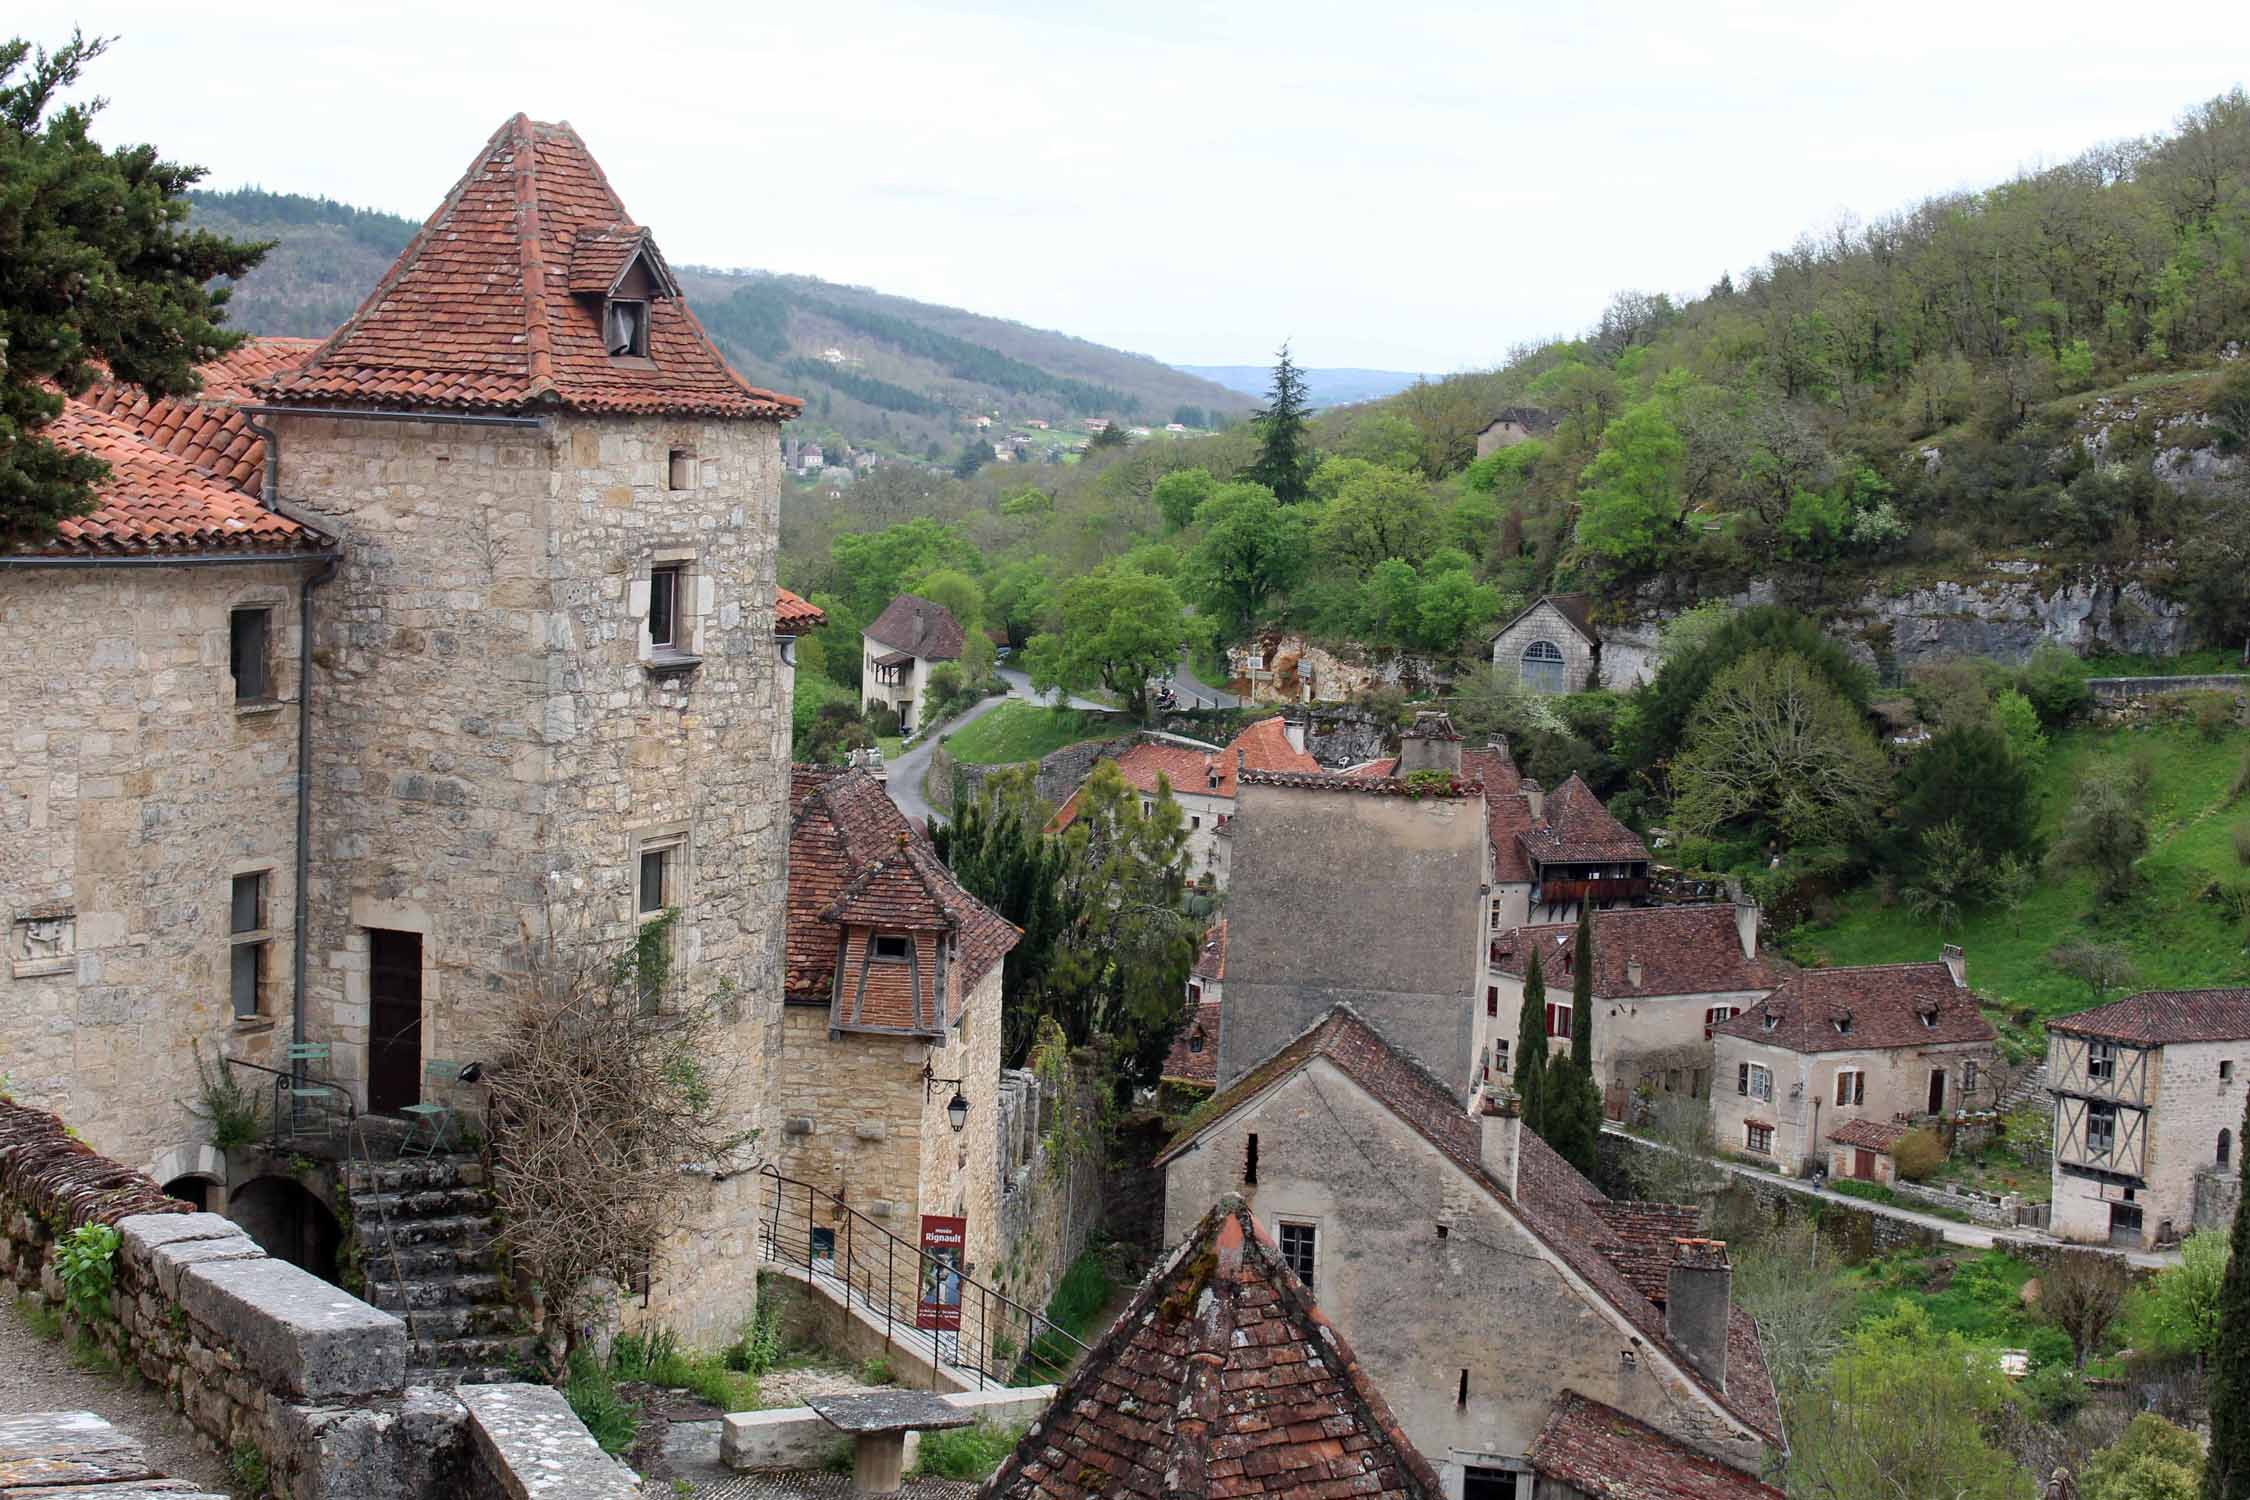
{"points": [[1986, 1208], [1855, 1232], [797, 1437], [2218, 1192], [2125, 689]]}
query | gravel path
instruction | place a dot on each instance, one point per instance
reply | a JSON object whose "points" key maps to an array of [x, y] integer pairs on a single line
{"points": [[38, 1374]]}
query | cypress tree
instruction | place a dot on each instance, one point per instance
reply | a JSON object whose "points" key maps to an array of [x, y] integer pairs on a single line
{"points": [[1582, 992], [1531, 1045], [2226, 1469], [1285, 461], [1571, 1102]]}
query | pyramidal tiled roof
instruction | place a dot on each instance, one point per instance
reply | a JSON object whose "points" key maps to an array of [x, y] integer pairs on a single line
{"points": [[1220, 1378], [497, 304]]}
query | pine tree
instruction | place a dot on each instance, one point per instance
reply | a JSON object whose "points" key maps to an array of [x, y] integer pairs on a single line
{"points": [[98, 272], [1531, 1044], [2226, 1469], [1285, 458]]}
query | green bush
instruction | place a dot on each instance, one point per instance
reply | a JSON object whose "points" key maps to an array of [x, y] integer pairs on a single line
{"points": [[1919, 1153], [86, 1260], [2056, 1391], [760, 1346], [224, 1103], [592, 1394], [966, 1452], [878, 1370], [659, 1358], [2153, 1461], [246, 1468]]}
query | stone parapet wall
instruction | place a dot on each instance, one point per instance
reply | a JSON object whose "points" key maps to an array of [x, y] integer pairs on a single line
{"points": [[1059, 773], [2218, 1193], [1999, 1210], [2127, 689]]}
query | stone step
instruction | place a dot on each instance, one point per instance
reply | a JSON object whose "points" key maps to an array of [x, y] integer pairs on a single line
{"points": [[475, 1321], [470, 1290], [426, 1262], [413, 1173], [467, 1231], [465, 1375], [476, 1352], [419, 1203]]}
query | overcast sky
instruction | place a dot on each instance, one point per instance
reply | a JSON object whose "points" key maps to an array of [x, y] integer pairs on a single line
{"points": [[1403, 185]]}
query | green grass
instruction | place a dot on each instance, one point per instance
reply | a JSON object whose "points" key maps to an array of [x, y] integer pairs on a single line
{"points": [[2192, 664], [1017, 731], [1979, 1296], [966, 1452], [1876, 1192], [659, 1359], [592, 1394], [2176, 939]]}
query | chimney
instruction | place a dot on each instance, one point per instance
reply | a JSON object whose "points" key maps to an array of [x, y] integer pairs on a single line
{"points": [[1746, 924], [1500, 1128], [1696, 1298], [1533, 794], [1430, 743], [1956, 964], [1633, 972], [1293, 730], [921, 625]]}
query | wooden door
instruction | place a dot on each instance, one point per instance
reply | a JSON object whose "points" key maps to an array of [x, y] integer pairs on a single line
{"points": [[1863, 1164], [1937, 1091], [394, 1050]]}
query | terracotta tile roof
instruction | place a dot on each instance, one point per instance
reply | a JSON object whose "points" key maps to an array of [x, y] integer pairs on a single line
{"points": [[485, 310], [1508, 819], [853, 858], [1648, 1236], [1574, 828], [1576, 609], [1875, 1135], [1211, 961], [1553, 1201], [1682, 950], [1194, 1058], [1264, 746], [1603, 1454], [1876, 1005], [1373, 786], [2155, 1017], [1220, 1378], [205, 428], [793, 616], [1388, 766], [918, 627], [1192, 768], [1493, 766]]}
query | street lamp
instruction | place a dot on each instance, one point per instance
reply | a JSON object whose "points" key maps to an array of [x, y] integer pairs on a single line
{"points": [[956, 1108]]}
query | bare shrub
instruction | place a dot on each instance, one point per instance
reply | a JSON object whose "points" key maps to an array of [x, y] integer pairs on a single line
{"points": [[2101, 967], [2082, 1292], [1918, 1153]]}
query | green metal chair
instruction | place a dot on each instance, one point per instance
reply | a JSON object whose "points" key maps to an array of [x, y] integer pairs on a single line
{"points": [[438, 1116], [311, 1099]]}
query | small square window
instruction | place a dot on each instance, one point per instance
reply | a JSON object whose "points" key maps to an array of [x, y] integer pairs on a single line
{"points": [[2101, 1061], [679, 470], [625, 328], [247, 909], [664, 606], [248, 652], [658, 878], [892, 948], [1758, 1138], [1300, 1245], [2226, 1071]]}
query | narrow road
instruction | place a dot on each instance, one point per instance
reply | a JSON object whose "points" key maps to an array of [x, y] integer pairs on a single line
{"points": [[905, 773], [1195, 694]]}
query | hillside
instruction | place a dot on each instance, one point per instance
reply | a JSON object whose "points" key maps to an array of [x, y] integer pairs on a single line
{"points": [[882, 372], [1341, 386]]}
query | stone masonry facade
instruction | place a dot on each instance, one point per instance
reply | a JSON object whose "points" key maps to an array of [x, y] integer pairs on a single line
{"points": [[2194, 1100]]}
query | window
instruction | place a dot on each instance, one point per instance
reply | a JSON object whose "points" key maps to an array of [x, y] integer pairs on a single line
{"points": [[1195, 1040], [2101, 1061], [1195, 993], [1461, 1396], [659, 879], [1299, 1249], [893, 948], [1558, 1018], [664, 606], [625, 328], [1851, 1087], [2226, 1147], [679, 471], [2101, 1129], [2226, 1071], [1489, 1484], [1968, 1077], [1758, 1138], [1543, 667], [1500, 1055], [1713, 1016], [1492, 1000], [248, 647], [1250, 1159], [1194, 821], [1843, 1025], [1753, 1080], [246, 921]]}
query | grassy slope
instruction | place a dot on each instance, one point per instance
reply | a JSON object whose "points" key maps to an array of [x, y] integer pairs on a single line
{"points": [[2176, 940], [1021, 731]]}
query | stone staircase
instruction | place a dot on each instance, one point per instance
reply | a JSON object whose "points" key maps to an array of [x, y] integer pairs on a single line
{"points": [[425, 1228], [2031, 1088]]}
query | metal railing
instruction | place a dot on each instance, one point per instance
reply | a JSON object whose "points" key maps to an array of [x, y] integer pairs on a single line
{"points": [[291, 1108], [998, 1341]]}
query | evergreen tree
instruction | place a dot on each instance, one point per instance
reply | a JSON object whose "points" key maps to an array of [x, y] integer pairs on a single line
{"points": [[97, 273], [1531, 1044], [1571, 1101], [1285, 458], [2226, 1469], [1582, 992]]}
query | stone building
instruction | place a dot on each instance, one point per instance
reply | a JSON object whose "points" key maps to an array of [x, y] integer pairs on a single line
{"points": [[1880, 1042], [1552, 646], [1512, 425], [2148, 1113], [1202, 780], [1480, 1279], [1664, 978], [892, 1010], [909, 638], [1359, 889], [540, 699], [1192, 1064]]}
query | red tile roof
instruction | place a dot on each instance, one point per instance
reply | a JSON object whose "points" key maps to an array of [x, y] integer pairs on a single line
{"points": [[1194, 1058], [1862, 1007], [918, 627], [1220, 1378], [1602, 1453], [1648, 1236], [1574, 828], [1553, 1201], [1211, 962], [2155, 1017], [1387, 766], [489, 308], [1493, 766], [1264, 746], [1372, 786], [1875, 1135], [793, 616], [1682, 950]]}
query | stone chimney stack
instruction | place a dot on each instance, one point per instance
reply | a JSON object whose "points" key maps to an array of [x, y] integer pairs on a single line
{"points": [[1500, 1127], [1535, 795], [1430, 743], [1956, 964], [1696, 1302], [1633, 972], [1746, 924], [1293, 730]]}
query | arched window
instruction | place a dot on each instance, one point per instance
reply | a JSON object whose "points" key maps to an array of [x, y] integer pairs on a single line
{"points": [[2226, 1147], [1543, 667]]}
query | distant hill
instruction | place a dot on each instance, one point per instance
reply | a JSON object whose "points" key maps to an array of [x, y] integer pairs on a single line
{"points": [[882, 371], [1337, 387]]}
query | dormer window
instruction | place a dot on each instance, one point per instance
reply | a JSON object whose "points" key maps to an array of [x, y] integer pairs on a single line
{"points": [[625, 327]]}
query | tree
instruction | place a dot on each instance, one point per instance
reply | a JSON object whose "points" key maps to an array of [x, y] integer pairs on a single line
{"points": [[997, 848], [1451, 606], [1802, 1305], [1112, 436], [1572, 1104], [870, 568], [957, 592], [2018, 722], [1967, 777], [1951, 876], [2153, 1461], [1120, 628], [2180, 1313], [1253, 548], [1629, 500], [1284, 463], [2082, 1292], [2226, 1471], [1180, 494], [1531, 1047], [1373, 514], [1385, 439], [98, 274], [1774, 743], [2210, 562], [1663, 706], [2105, 834]]}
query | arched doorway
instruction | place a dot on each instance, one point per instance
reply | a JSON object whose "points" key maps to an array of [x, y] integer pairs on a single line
{"points": [[196, 1188], [289, 1223]]}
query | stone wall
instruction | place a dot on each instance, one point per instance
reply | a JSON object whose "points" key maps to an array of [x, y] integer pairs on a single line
{"points": [[1544, 622], [133, 788], [1059, 772], [1857, 1232], [2218, 1193], [2130, 689], [1296, 670]]}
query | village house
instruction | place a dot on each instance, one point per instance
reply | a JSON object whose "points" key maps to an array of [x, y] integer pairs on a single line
{"points": [[891, 1013], [492, 661], [1192, 1063], [1552, 646], [897, 653], [1574, 852], [1665, 977], [1203, 778], [2148, 1106], [1483, 1283], [1880, 1043], [1512, 425]]}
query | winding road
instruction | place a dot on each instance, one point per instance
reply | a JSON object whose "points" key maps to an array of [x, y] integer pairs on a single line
{"points": [[904, 775]]}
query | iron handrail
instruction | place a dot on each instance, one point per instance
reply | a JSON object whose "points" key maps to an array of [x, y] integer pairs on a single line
{"points": [[284, 1080]]}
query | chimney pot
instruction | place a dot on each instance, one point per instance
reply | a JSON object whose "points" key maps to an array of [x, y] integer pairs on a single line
{"points": [[1956, 964], [1746, 924]]}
